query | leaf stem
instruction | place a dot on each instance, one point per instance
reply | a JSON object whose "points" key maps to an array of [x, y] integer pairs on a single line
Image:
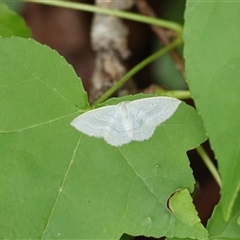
{"points": [[137, 68], [180, 94], [206, 159], [117, 13]]}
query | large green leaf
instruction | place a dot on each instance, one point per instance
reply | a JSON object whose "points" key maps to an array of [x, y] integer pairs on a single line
{"points": [[213, 73], [11, 24], [57, 183]]}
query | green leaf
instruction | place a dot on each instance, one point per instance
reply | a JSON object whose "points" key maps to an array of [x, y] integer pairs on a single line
{"points": [[220, 229], [213, 73], [11, 24], [184, 211], [16, 6], [57, 183]]}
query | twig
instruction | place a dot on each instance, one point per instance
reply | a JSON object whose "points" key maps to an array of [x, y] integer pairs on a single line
{"points": [[122, 14], [206, 159]]}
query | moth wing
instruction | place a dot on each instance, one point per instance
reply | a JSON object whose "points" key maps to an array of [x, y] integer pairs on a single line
{"points": [[94, 122], [105, 122], [148, 113]]}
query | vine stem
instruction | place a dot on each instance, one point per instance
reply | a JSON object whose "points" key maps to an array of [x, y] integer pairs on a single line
{"points": [[117, 13], [137, 68], [206, 159]]}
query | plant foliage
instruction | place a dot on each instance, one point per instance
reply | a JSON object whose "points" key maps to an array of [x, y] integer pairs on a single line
{"points": [[57, 183]]}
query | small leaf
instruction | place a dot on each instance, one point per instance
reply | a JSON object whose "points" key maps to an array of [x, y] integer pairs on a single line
{"points": [[184, 211]]}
